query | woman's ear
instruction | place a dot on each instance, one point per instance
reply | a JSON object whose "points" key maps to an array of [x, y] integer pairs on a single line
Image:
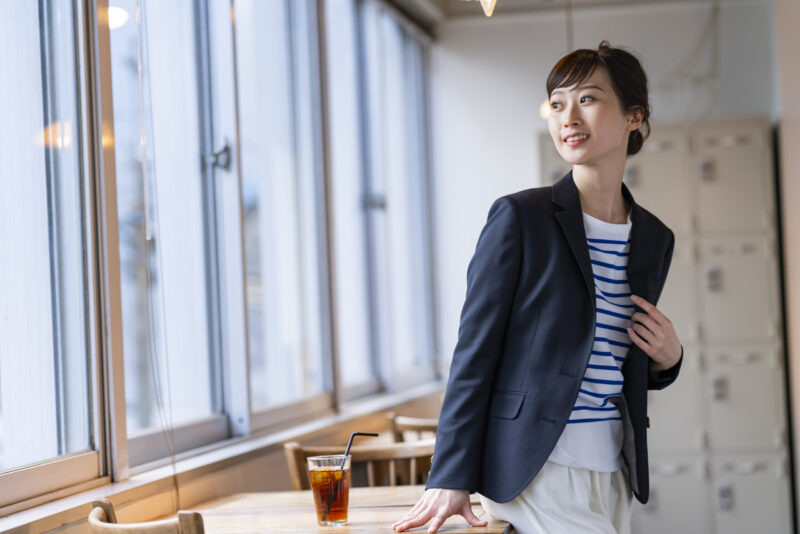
{"points": [[635, 117]]}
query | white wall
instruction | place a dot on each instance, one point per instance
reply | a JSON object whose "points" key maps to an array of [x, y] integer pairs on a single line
{"points": [[488, 81], [788, 44]]}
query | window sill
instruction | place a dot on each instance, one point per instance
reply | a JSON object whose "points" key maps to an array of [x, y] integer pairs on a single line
{"points": [[72, 506]]}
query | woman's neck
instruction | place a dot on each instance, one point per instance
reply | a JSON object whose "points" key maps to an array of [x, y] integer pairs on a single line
{"points": [[601, 194]]}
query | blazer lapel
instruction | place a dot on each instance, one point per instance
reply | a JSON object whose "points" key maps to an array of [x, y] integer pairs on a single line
{"points": [[640, 259], [565, 195]]}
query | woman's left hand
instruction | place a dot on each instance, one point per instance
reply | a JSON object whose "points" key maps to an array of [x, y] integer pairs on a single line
{"points": [[652, 331]]}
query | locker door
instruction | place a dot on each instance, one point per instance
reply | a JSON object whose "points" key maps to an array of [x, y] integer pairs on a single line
{"points": [[738, 288], [676, 413], [745, 391], [679, 498], [751, 494], [660, 179], [678, 298], [734, 183]]}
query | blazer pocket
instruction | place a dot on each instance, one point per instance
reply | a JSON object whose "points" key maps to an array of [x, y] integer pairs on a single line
{"points": [[505, 404]]}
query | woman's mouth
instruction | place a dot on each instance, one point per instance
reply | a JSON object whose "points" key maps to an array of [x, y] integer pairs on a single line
{"points": [[575, 140]]}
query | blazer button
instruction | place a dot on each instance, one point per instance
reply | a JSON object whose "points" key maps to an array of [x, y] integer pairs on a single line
{"points": [[648, 422]]}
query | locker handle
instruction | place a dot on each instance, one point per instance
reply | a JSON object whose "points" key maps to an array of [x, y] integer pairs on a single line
{"points": [[725, 497], [747, 468], [728, 141], [719, 388], [713, 278], [707, 170], [738, 358], [670, 470], [743, 358]]}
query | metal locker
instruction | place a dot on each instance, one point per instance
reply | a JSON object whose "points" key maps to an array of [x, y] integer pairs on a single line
{"points": [[679, 498], [751, 494], [659, 178], [734, 178], [738, 288], [678, 298], [677, 415], [745, 398]]}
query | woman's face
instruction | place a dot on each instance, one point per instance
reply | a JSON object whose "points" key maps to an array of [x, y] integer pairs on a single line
{"points": [[591, 109]]}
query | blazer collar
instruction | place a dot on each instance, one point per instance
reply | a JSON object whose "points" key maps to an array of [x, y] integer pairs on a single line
{"points": [[640, 260]]}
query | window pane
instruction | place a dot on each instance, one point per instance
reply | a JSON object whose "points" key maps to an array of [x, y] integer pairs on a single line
{"points": [[161, 196], [395, 83], [44, 396], [280, 188], [353, 318]]}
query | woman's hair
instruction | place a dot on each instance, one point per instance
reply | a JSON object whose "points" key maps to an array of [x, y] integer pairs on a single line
{"points": [[627, 78]]}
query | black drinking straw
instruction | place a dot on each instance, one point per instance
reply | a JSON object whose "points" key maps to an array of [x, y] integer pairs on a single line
{"points": [[336, 487]]}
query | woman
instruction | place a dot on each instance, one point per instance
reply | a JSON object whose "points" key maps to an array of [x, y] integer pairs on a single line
{"points": [[545, 412]]}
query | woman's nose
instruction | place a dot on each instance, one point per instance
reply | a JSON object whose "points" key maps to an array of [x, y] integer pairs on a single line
{"points": [[571, 117]]}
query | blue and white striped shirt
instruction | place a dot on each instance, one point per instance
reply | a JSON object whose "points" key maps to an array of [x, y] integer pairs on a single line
{"points": [[592, 438]]}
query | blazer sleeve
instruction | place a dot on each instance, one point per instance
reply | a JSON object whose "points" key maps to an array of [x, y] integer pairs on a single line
{"points": [[661, 379], [492, 277]]}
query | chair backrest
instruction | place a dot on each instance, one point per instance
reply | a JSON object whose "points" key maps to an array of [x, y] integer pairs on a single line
{"points": [[103, 520], [421, 427], [388, 464]]}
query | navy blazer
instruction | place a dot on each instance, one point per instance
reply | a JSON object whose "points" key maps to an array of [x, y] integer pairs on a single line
{"points": [[526, 332]]}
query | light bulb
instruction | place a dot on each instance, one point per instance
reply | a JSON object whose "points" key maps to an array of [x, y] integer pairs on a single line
{"points": [[544, 109], [117, 17], [488, 6]]}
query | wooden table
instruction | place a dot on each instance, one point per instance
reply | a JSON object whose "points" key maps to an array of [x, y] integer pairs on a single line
{"points": [[372, 510]]}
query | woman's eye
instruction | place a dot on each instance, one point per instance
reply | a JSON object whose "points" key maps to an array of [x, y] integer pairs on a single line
{"points": [[587, 97], [553, 105]]}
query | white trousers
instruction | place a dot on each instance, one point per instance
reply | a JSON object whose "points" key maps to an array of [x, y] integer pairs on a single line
{"points": [[569, 500]]}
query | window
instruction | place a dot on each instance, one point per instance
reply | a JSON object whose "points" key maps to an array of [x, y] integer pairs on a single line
{"points": [[282, 200], [45, 356], [263, 175], [397, 193], [359, 371], [166, 227]]}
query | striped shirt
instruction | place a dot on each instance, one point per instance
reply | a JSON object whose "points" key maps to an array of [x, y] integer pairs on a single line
{"points": [[592, 438]]}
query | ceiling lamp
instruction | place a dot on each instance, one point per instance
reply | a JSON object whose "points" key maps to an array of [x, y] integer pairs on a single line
{"points": [[488, 6], [117, 17]]}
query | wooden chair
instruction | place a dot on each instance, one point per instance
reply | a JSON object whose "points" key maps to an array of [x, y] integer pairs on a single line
{"points": [[423, 427], [103, 520], [407, 463]]}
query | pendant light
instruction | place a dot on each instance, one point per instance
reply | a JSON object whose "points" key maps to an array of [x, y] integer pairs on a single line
{"points": [[488, 6]]}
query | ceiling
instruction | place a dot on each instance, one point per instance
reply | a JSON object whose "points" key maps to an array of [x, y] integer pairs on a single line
{"points": [[429, 13], [451, 8]]}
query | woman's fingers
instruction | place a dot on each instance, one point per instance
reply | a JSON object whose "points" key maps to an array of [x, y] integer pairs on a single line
{"points": [[471, 518], [415, 511], [639, 341], [419, 519], [436, 523], [417, 507], [438, 504]]}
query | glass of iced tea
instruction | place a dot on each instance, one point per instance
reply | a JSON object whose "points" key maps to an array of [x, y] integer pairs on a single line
{"points": [[330, 484]]}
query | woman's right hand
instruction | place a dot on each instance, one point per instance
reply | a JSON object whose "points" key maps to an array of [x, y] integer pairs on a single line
{"points": [[439, 504]]}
